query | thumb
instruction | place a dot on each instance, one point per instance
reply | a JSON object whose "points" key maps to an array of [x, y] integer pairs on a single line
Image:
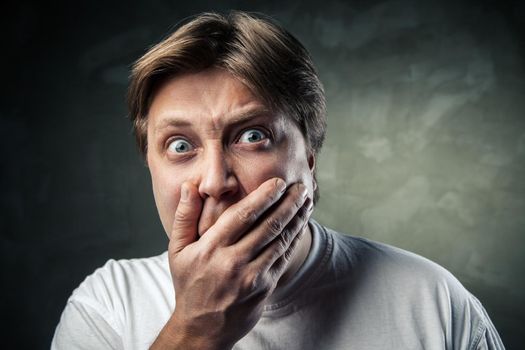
{"points": [[184, 228]]}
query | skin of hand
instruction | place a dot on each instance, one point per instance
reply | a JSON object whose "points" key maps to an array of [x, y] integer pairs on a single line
{"points": [[223, 279], [215, 153]]}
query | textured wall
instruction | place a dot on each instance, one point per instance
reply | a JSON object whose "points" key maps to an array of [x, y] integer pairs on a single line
{"points": [[426, 140], [425, 147]]}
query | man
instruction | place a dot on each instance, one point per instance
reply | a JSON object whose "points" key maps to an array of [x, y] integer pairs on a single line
{"points": [[230, 116]]}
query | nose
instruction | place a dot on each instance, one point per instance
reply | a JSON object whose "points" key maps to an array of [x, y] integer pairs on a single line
{"points": [[217, 177]]}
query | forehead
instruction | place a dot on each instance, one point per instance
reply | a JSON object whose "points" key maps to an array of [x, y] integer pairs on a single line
{"points": [[213, 96]]}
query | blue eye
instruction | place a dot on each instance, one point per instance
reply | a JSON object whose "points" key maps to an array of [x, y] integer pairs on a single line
{"points": [[252, 136], [180, 146]]}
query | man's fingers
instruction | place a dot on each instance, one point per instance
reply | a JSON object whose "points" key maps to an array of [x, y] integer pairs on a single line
{"points": [[279, 252], [241, 216], [274, 223], [279, 266], [184, 229]]}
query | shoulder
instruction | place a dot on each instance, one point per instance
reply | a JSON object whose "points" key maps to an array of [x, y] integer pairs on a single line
{"points": [[386, 260], [121, 285], [415, 287], [108, 306], [121, 276]]}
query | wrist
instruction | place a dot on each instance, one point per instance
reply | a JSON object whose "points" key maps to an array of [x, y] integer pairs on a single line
{"points": [[178, 335]]}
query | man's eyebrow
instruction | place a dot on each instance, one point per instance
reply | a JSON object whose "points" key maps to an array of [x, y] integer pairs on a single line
{"points": [[246, 116], [172, 121], [236, 119]]}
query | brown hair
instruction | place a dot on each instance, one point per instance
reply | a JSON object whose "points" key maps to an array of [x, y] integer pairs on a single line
{"points": [[264, 56]]}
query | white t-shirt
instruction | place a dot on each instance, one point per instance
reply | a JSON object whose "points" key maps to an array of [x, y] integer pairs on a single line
{"points": [[351, 293]]}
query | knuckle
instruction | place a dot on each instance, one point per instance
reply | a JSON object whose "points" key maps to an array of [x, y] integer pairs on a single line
{"points": [[282, 245], [286, 258], [285, 237], [288, 253], [236, 263], [257, 282], [232, 265], [182, 215], [249, 281], [205, 253], [275, 226], [265, 285], [246, 215]]}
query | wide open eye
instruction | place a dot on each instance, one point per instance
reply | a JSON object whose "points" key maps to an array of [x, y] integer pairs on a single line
{"points": [[180, 146], [252, 136]]}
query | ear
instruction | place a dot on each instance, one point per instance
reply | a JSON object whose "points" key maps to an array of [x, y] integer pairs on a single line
{"points": [[311, 165], [311, 161], [145, 159], [145, 156]]}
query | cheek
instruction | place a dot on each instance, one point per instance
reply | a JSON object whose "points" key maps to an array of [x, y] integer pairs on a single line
{"points": [[251, 172], [166, 191], [297, 170], [283, 165]]}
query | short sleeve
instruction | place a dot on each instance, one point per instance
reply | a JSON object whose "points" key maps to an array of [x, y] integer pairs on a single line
{"points": [[83, 325], [489, 338]]}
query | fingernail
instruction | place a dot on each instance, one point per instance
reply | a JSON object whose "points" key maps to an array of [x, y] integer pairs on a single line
{"points": [[184, 192], [281, 185]]}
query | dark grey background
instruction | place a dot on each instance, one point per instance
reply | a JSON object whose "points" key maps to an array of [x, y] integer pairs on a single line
{"points": [[425, 147]]}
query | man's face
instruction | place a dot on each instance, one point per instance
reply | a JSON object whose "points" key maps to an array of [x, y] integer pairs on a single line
{"points": [[209, 129]]}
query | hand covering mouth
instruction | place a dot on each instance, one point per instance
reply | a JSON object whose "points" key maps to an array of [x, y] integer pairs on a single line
{"points": [[211, 211]]}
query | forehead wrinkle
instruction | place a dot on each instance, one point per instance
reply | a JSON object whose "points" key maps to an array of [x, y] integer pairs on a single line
{"points": [[230, 102], [213, 101], [239, 116], [171, 120], [219, 122]]}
